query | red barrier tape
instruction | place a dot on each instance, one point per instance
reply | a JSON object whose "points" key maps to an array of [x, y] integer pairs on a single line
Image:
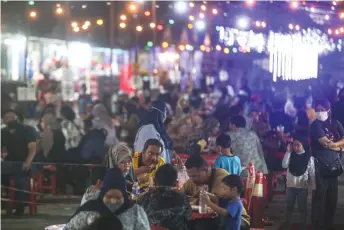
{"points": [[41, 194], [51, 163], [34, 203]]}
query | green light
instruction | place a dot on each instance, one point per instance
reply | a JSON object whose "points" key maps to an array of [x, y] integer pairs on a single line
{"points": [[171, 21], [147, 48], [31, 3], [150, 44]]}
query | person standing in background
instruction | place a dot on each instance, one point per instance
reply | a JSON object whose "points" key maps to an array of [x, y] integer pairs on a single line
{"points": [[84, 101]]}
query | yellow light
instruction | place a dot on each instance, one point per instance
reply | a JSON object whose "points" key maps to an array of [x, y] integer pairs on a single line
{"points": [[147, 13], [84, 27], [218, 47], [190, 26], [139, 28], [191, 4], [191, 18], [248, 50], [182, 47], [203, 7], [75, 24], [33, 14], [341, 29], [294, 4], [76, 29], [202, 47], [132, 7], [100, 22], [88, 23], [59, 11], [214, 11], [201, 15], [226, 50], [341, 15], [123, 17], [152, 25], [122, 25], [164, 45]]}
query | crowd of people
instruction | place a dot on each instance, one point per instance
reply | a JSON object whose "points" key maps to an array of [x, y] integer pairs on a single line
{"points": [[137, 143]]}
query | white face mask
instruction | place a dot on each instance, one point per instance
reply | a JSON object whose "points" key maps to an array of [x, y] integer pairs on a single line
{"points": [[322, 116]]}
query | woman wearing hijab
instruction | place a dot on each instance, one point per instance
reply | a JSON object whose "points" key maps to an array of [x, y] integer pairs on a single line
{"points": [[152, 127], [300, 177], [327, 143], [121, 156], [113, 201], [52, 147], [103, 121], [52, 142]]}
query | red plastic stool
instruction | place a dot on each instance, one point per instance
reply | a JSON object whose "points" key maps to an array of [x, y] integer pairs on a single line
{"points": [[52, 186]]}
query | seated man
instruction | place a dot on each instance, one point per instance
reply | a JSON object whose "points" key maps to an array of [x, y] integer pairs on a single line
{"points": [[20, 143], [147, 162], [164, 205]]}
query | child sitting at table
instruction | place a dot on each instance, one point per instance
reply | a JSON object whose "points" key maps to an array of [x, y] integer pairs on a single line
{"points": [[232, 187], [227, 160], [92, 192]]}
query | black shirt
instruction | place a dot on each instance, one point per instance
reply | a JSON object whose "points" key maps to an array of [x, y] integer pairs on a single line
{"points": [[17, 142], [321, 129]]}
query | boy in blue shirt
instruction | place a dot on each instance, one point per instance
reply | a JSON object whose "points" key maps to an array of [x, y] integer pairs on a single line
{"points": [[232, 187], [227, 160]]}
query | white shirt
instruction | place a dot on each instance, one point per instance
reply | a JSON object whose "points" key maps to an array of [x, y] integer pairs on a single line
{"points": [[149, 132], [304, 181]]}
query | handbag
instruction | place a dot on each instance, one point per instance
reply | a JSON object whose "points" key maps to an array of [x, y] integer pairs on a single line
{"points": [[329, 168]]}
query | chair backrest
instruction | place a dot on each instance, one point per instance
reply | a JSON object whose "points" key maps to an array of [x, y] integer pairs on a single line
{"points": [[157, 227]]}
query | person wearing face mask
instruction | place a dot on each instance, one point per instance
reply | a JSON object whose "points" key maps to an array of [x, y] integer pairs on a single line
{"points": [[19, 142], [113, 203], [147, 162], [152, 127], [300, 176], [327, 143]]}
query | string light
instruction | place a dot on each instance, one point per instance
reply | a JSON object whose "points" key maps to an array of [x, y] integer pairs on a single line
{"points": [[100, 22], [203, 7], [182, 47], [84, 6], [191, 18], [191, 4], [218, 47], [164, 44], [152, 25], [214, 11], [150, 43], [294, 5], [190, 26], [133, 7], [123, 17], [327, 17], [329, 31], [59, 11], [88, 23], [74, 24], [76, 29], [226, 50], [202, 47], [139, 28], [31, 3], [250, 2], [201, 15], [200, 25], [84, 27], [33, 14], [171, 21], [160, 27], [291, 26], [122, 25], [180, 7], [263, 24], [258, 24], [147, 13], [341, 15]]}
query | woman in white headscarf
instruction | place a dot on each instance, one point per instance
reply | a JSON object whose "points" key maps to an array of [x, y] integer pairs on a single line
{"points": [[102, 120]]}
